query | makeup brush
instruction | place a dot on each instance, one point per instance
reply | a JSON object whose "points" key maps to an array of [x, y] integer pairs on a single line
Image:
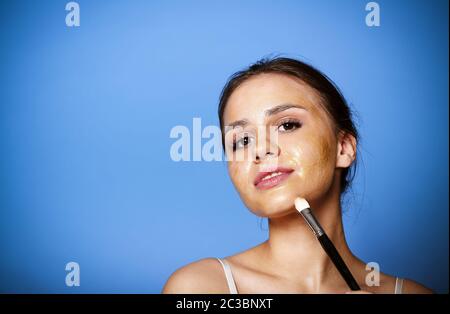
{"points": [[304, 209]]}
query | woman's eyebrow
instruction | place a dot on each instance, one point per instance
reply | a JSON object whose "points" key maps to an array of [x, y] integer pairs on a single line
{"points": [[268, 112], [282, 107], [236, 123]]}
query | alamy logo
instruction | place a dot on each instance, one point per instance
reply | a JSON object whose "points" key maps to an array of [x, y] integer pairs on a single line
{"points": [[205, 144], [73, 275], [73, 17], [373, 17], [373, 277]]}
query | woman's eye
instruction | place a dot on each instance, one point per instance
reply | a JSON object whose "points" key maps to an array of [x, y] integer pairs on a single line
{"points": [[242, 142], [289, 126]]}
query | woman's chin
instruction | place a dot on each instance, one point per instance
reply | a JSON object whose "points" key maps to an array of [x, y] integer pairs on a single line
{"points": [[275, 213], [273, 204], [276, 201]]}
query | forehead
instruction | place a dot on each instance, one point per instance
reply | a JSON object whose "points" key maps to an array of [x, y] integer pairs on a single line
{"points": [[261, 92]]}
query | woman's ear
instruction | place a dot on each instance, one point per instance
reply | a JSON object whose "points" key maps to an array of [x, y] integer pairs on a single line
{"points": [[346, 150]]}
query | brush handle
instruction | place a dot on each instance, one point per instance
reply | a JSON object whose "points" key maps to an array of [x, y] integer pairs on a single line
{"points": [[330, 249]]}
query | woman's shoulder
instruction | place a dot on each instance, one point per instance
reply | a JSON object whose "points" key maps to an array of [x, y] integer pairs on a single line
{"points": [[408, 286], [202, 276], [413, 287]]}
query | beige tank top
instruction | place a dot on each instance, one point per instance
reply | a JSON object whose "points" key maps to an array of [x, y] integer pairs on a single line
{"points": [[232, 284]]}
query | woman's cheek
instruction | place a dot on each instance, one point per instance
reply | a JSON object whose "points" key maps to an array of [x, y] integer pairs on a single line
{"points": [[243, 182], [294, 160], [240, 175], [311, 157], [318, 169]]}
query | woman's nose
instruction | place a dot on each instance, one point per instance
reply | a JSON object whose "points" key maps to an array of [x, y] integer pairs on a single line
{"points": [[266, 149]]}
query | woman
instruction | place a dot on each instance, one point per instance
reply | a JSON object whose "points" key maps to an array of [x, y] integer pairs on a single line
{"points": [[296, 133]]}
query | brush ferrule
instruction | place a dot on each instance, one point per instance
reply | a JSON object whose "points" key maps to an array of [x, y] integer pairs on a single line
{"points": [[312, 222]]}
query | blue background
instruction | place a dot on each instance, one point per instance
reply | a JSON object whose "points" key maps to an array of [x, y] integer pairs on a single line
{"points": [[86, 113]]}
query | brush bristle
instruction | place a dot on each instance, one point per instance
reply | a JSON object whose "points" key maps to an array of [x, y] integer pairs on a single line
{"points": [[301, 204]]}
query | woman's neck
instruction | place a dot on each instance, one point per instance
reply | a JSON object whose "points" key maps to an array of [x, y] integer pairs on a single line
{"points": [[293, 252]]}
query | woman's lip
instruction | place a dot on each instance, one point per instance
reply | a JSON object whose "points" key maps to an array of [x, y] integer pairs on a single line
{"points": [[273, 181], [264, 184]]}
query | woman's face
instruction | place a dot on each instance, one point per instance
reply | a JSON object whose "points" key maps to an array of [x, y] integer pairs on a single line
{"points": [[281, 130]]}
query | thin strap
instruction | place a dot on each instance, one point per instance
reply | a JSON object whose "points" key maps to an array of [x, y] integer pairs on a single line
{"points": [[398, 285], [228, 275]]}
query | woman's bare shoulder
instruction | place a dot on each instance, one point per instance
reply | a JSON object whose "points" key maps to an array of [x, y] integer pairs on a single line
{"points": [[408, 287], [413, 287], [203, 276]]}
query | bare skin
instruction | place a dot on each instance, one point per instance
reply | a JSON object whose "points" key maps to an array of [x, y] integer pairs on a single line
{"points": [[291, 260]]}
